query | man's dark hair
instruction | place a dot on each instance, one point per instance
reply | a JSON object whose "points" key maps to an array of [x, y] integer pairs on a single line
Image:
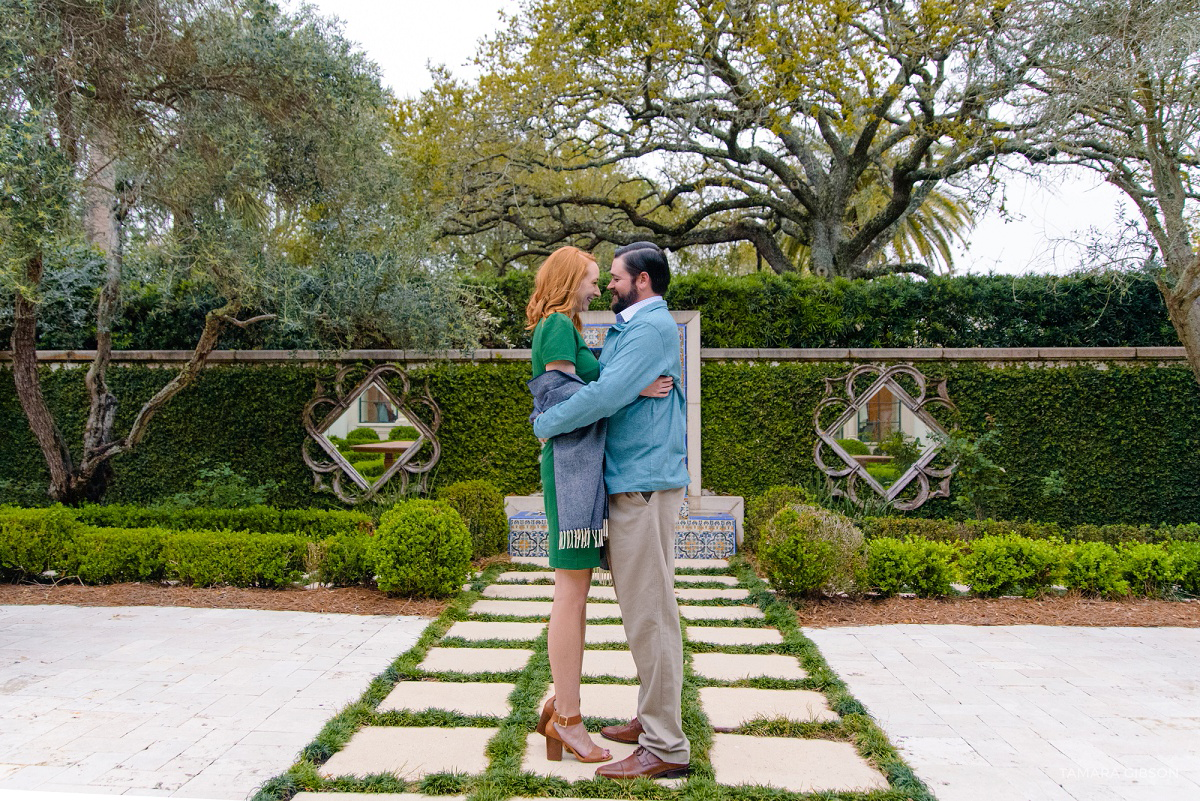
{"points": [[647, 257]]}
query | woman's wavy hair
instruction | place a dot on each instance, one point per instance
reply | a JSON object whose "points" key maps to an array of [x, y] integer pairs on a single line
{"points": [[555, 285]]}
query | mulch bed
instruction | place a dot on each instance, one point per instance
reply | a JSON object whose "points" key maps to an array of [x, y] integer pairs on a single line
{"points": [[1065, 611], [343, 600]]}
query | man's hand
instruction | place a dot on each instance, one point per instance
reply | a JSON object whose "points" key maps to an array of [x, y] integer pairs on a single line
{"points": [[659, 388]]}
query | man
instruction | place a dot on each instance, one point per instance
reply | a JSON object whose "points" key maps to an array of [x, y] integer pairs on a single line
{"points": [[646, 476]]}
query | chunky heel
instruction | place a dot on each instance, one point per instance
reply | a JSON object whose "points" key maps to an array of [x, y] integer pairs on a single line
{"points": [[554, 749], [547, 713]]}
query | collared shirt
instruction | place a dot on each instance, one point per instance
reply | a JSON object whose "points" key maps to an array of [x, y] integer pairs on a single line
{"points": [[627, 314]]}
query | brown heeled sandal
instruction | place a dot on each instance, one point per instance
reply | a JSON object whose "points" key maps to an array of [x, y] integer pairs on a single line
{"points": [[555, 743], [547, 713]]}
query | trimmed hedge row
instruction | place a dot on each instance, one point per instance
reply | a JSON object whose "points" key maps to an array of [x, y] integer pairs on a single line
{"points": [[1123, 439], [763, 310], [306, 523], [912, 528], [1012, 565]]}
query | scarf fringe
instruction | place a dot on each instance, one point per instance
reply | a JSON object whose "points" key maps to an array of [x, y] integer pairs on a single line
{"points": [[583, 537]]}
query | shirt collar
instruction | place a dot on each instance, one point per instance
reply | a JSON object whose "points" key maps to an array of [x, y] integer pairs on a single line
{"points": [[628, 313]]}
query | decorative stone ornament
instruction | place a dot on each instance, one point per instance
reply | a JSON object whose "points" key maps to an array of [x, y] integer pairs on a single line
{"points": [[372, 404], [883, 405]]}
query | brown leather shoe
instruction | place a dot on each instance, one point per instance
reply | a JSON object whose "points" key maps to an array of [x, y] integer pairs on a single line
{"points": [[625, 733], [643, 763]]}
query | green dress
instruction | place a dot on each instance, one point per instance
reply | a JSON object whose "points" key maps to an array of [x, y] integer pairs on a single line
{"points": [[556, 339]]}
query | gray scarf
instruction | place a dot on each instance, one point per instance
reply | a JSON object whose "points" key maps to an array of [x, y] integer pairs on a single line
{"points": [[578, 466]]}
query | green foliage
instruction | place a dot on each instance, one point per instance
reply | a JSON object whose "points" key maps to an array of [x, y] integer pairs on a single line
{"points": [[421, 548], [854, 447], [307, 523], [1090, 424], [808, 551], [903, 449], [1149, 569], [403, 433], [112, 555], [33, 541], [1011, 565], [236, 558], [1186, 558], [920, 566], [977, 478], [1095, 569], [344, 560], [223, 488], [481, 507], [362, 434], [760, 510]]}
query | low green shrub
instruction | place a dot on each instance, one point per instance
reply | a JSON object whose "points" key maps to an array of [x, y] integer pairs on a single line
{"points": [[1112, 534], [1095, 569], [481, 506], [421, 548], [309, 523], [33, 541], [236, 558], [224, 488], [923, 567], [362, 434], [112, 555], [1148, 568], [403, 433], [807, 551], [974, 529], [761, 509], [909, 528], [854, 447], [883, 473], [1186, 556], [344, 560], [1011, 565], [942, 530]]}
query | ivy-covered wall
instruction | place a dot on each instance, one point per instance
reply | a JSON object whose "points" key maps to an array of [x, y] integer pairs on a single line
{"points": [[1125, 438]]}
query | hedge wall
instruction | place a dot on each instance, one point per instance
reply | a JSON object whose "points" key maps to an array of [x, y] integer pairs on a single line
{"points": [[763, 310], [1125, 438]]}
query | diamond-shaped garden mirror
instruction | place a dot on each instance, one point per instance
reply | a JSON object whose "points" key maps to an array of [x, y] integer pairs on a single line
{"points": [[369, 435], [873, 427]]}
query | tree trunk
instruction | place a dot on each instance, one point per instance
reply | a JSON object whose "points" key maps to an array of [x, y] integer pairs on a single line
{"points": [[102, 226], [29, 388], [1183, 307]]}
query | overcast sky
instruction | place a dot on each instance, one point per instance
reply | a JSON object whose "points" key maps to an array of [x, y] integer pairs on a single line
{"points": [[405, 36]]}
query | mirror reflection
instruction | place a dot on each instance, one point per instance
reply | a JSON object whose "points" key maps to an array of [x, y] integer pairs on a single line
{"points": [[885, 435], [372, 433]]}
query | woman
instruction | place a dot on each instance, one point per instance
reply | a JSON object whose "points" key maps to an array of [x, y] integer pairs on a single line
{"points": [[565, 285]]}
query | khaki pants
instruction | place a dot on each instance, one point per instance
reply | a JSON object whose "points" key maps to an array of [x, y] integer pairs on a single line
{"points": [[641, 553]]}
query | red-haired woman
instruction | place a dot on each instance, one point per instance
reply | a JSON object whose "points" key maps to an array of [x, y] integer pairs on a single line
{"points": [[566, 284]]}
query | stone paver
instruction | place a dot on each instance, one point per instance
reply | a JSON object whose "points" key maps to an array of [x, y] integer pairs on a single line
{"points": [[800, 766], [732, 667], [609, 663], [524, 576], [604, 700], [728, 635], [708, 594], [491, 606], [730, 707], [568, 767], [1004, 712], [720, 612], [701, 564], [542, 591], [411, 752], [205, 703], [604, 633], [532, 561], [466, 698], [477, 630], [475, 660]]}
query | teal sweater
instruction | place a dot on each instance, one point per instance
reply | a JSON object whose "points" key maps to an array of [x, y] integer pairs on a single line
{"points": [[645, 448]]}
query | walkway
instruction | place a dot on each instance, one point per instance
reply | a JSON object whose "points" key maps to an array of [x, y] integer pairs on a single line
{"points": [[1032, 712], [467, 707], [204, 703]]}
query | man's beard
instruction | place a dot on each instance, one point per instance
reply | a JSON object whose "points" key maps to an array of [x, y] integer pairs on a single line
{"points": [[619, 303]]}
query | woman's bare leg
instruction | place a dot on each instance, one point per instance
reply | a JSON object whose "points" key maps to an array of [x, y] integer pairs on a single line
{"points": [[568, 620]]}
